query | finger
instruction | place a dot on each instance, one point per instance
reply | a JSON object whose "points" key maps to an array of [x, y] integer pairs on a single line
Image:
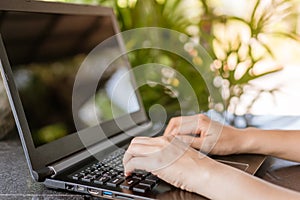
{"points": [[141, 144], [176, 122], [134, 163], [128, 155], [204, 144], [142, 149], [146, 140], [139, 150], [171, 125], [190, 127], [194, 142], [149, 164], [186, 125]]}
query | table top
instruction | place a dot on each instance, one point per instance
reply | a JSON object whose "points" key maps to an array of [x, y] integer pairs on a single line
{"points": [[16, 182]]}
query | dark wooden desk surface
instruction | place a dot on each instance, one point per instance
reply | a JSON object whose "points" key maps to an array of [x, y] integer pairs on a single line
{"points": [[16, 183]]}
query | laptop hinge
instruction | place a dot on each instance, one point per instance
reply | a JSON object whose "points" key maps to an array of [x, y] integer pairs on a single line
{"points": [[41, 174]]}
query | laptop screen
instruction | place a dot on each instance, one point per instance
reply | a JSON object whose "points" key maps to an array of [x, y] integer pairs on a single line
{"points": [[45, 52]]}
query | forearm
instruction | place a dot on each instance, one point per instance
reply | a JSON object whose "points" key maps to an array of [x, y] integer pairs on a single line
{"points": [[223, 182], [279, 143]]}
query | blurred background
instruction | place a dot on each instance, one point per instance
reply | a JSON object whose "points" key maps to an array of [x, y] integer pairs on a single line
{"points": [[254, 45]]}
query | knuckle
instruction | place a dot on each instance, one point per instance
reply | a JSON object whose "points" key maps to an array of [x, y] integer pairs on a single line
{"points": [[201, 116], [174, 120], [169, 138], [133, 140], [164, 140], [131, 149]]}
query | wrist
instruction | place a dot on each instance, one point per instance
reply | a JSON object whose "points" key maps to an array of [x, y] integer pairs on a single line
{"points": [[249, 140], [238, 140]]}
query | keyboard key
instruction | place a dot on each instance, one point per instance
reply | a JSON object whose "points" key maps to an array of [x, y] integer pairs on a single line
{"points": [[141, 188], [109, 174], [88, 170], [140, 174], [121, 174], [120, 171], [113, 172], [88, 178], [98, 173], [76, 176], [129, 183], [152, 178], [83, 173], [104, 168], [101, 172], [115, 182], [147, 183], [102, 180]]}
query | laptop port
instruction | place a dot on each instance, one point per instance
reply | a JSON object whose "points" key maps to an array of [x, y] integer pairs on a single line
{"points": [[81, 189], [70, 187], [118, 196], [107, 194], [94, 192]]}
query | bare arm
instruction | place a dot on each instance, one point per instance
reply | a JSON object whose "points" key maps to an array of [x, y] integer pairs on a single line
{"points": [[231, 183], [219, 139], [279, 143], [182, 166]]}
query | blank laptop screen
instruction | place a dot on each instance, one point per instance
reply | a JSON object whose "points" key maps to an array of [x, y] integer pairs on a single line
{"points": [[45, 52]]}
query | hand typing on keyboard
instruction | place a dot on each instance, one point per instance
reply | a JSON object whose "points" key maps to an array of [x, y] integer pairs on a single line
{"points": [[173, 158], [169, 159], [110, 172]]}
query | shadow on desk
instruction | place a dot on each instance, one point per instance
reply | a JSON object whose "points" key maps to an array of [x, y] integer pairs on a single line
{"points": [[281, 172]]}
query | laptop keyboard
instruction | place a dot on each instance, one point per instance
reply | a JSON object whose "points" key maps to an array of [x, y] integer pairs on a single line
{"points": [[110, 172]]}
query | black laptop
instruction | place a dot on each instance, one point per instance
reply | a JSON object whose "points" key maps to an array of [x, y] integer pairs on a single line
{"points": [[42, 47]]}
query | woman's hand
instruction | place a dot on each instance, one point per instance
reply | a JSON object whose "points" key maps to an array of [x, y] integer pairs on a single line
{"points": [[207, 135], [182, 166], [170, 159]]}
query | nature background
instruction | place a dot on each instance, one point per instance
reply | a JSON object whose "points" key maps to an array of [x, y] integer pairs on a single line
{"points": [[254, 45]]}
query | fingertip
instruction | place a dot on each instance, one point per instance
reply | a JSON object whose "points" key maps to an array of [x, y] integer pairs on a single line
{"points": [[127, 174], [133, 140], [139, 139]]}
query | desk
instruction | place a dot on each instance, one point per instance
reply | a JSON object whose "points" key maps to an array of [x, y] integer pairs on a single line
{"points": [[15, 179], [16, 183]]}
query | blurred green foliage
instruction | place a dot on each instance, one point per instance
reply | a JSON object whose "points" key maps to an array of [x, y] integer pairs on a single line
{"points": [[236, 53], [49, 134], [165, 14]]}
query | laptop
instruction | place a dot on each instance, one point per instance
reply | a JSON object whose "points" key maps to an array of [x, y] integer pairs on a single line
{"points": [[42, 46]]}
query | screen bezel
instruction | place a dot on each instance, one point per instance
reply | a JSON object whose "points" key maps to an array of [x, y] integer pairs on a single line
{"points": [[46, 154]]}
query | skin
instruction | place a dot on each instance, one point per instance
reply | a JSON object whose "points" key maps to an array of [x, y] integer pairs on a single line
{"points": [[175, 157]]}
